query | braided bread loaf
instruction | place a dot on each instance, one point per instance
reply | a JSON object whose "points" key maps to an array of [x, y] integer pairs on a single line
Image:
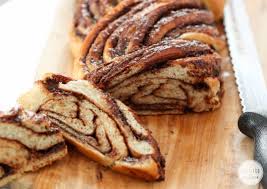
{"points": [[158, 57]]}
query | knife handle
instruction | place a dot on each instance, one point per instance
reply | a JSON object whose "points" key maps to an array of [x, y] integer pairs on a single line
{"points": [[255, 126]]}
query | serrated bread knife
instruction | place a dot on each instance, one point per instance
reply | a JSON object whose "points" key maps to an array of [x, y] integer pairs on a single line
{"points": [[249, 79]]}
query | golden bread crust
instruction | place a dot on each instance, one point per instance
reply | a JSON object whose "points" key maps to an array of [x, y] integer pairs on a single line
{"points": [[216, 6]]}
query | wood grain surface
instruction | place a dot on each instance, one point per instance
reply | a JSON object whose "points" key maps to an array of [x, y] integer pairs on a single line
{"points": [[202, 151]]}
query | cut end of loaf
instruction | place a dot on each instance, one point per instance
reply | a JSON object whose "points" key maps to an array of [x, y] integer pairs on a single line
{"points": [[27, 142], [102, 128]]}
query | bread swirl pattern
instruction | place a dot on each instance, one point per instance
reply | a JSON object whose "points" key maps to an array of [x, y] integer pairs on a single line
{"points": [[183, 76], [102, 128], [27, 143], [134, 24], [87, 13], [159, 57]]}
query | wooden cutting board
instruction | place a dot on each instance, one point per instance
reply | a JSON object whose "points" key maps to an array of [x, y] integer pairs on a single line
{"points": [[201, 150]]}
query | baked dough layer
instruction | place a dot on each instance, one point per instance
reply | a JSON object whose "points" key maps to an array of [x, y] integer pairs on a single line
{"points": [[172, 77], [102, 128], [88, 12], [158, 57], [27, 142]]}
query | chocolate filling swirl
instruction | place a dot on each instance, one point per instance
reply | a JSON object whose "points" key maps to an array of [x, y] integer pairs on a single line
{"points": [[103, 128], [132, 25], [173, 76], [27, 142], [158, 57], [87, 13]]}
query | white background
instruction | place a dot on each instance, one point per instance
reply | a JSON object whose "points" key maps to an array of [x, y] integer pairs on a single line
{"points": [[24, 28]]}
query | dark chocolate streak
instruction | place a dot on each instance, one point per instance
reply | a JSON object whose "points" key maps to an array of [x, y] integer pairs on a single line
{"points": [[201, 70], [56, 148], [158, 158], [54, 131], [87, 12], [148, 58], [15, 118], [153, 91], [115, 114], [52, 85], [143, 25], [34, 150], [204, 63], [88, 138], [179, 19], [47, 133], [102, 32], [53, 82], [34, 154], [179, 105], [144, 37], [141, 29], [171, 106], [7, 169]]}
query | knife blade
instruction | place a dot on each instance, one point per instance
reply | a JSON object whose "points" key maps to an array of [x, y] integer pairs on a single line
{"points": [[249, 79]]}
